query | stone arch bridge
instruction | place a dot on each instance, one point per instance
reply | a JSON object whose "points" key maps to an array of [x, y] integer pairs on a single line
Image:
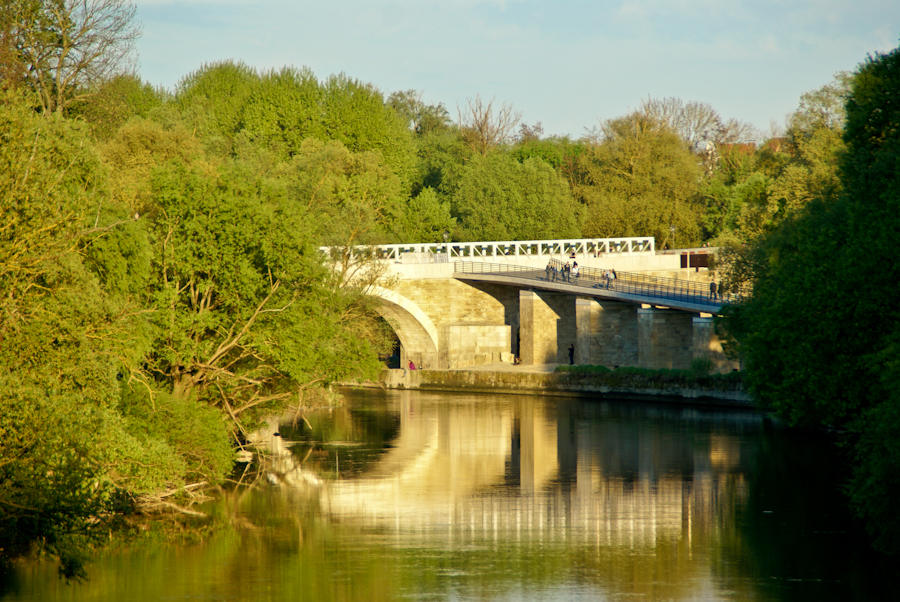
{"points": [[466, 304]]}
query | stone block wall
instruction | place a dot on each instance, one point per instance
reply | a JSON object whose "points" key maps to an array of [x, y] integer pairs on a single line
{"points": [[707, 344], [450, 301], [465, 345], [609, 334], [566, 326], [665, 339], [537, 329], [547, 326]]}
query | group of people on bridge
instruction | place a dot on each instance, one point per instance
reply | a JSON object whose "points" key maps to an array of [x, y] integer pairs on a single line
{"points": [[568, 272], [565, 273]]}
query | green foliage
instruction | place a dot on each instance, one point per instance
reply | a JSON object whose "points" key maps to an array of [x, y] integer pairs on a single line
{"points": [[344, 198], [497, 198], [283, 110], [139, 147], [421, 118], [441, 155], [188, 434], [875, 486], [427, 218], [355, 114], [639, 180], [49, 492], [116, 101], [822, 324], [246, 314], [724, 205], [702, 366], [214, 98], [699, 376]]}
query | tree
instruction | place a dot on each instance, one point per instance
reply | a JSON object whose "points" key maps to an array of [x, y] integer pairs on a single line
{"points": [[498, 198], [283, 110], [423, 119], [114, 102], [73, 266], [427, 218], [701, 126], [823, 107], [66, 48], [213, 99], [482, 128], [820, 332], [247, 318], [355, 114], [802, 167], [638, 178]]}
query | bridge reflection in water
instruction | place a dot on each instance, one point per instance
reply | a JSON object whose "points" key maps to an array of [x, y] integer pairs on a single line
{"points": [[525, 469]]}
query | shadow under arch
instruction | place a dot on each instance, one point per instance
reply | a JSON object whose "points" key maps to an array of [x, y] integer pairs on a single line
{"points": [[417, 333]]}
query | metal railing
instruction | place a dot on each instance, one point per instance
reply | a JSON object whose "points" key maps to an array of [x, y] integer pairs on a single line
{"points": [[651, 288], [504, 250]]}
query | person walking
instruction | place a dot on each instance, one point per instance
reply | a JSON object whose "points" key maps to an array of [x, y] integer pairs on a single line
{"points": [[575, 271], [549, 268], [713, 290], [571, 354]]}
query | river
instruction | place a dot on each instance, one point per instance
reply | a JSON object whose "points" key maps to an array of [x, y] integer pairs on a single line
{"points": [[451, 497]]}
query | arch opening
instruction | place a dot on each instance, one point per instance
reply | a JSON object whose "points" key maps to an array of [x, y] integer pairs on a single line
{"points": [[415, 330]]}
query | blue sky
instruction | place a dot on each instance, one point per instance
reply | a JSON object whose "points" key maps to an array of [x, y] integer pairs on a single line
{"points": [[569, 64]]}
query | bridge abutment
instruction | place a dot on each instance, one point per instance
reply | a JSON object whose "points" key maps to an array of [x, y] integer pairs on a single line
{"points": [[547, 326], [608, 333], [665, 339], [706, 344]]}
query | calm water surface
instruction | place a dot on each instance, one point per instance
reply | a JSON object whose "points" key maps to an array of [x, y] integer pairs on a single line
{"points": [[418, 496]]}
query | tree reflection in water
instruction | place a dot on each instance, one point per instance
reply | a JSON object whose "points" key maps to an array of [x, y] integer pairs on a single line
{"points": [[408, 495]]}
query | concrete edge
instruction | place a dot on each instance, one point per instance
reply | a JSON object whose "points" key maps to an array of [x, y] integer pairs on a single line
{"points": [[548, 384]]}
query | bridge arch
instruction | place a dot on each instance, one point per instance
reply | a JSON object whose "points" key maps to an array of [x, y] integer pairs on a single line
{"points": [[417, 333]]}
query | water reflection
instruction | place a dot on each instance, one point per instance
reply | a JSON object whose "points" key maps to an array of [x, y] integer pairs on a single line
{"points": [[639, 495], [529, 468], [417, 496]]}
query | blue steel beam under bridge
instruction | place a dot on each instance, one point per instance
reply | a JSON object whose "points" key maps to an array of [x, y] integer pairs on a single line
{"points": [[628, 287]]}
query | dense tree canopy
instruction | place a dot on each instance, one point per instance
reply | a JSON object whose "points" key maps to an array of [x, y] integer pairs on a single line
{"points": [[639, 179], [820, 333], [498, 198]]}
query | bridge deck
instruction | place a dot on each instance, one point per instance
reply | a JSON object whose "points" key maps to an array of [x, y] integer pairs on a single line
{"points": [[626, 287]]}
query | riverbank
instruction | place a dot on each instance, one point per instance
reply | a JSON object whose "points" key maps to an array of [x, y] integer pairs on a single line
{"points": [[545, 380]]}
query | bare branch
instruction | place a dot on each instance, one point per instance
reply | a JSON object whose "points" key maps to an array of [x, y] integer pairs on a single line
{"points": [[484, 130], [64, 48]]}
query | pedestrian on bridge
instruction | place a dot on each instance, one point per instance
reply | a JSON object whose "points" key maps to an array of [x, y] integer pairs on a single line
{"points": [[713, 290], [575, 271], [549, 269]]}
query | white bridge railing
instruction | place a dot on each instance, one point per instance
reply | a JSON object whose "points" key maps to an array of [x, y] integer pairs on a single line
{"points": [[504, 250]]}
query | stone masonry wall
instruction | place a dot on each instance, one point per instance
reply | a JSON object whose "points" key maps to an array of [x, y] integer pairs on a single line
{"points": [[465, 345], [614, 334], [665, 339]]}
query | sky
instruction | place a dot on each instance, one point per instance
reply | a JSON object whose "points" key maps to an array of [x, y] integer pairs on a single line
{"points": [[568, 64]]}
